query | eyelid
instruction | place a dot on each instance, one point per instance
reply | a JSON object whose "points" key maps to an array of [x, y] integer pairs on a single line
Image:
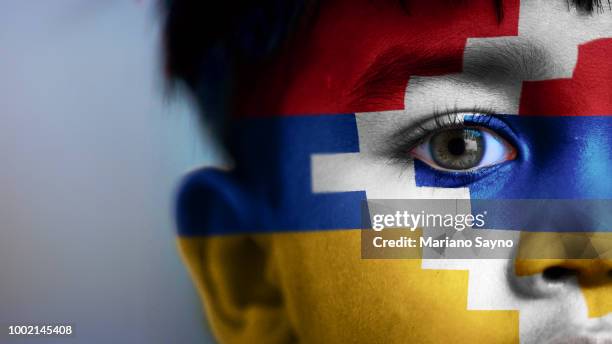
{"points": [[487, 160], [408, 138]]}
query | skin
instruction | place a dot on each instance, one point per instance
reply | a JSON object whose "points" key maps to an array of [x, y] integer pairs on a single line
{"points": [[313, 286]]}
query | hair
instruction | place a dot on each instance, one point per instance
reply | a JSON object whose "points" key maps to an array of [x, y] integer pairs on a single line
{"points": [[216, 46]]}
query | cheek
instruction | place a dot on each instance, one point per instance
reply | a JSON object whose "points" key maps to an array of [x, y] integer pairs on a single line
{"points": [[331, 293]]}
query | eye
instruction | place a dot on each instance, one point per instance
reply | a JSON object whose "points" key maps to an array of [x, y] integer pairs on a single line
{"points": [[463, 149]]}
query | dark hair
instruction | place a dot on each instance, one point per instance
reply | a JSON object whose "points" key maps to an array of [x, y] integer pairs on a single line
{"points": [[214, 46]]}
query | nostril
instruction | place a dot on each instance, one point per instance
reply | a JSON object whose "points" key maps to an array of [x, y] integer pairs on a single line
{"points": [[558, 273]]}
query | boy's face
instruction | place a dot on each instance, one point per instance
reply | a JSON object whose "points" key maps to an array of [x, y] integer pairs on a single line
{"points": [[380, 101]]}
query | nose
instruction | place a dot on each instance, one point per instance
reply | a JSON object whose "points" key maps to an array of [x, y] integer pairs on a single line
{"points": [[553, 264]]}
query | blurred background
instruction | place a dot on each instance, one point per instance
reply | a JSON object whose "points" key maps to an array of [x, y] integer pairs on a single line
{"points": [[91, 150]]}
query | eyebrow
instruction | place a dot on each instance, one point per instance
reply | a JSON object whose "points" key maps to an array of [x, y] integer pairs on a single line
{"points": [[496, 62], [389, 73], [515, 60]]}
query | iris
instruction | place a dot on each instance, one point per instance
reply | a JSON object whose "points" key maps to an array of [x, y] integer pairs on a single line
{"points": [[463, 149], [457, 149]]}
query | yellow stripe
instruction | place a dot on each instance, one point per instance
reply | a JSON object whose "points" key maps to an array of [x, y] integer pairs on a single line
{"points": [[315, 287], [588, 253]]}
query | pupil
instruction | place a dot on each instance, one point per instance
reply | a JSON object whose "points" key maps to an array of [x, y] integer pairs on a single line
{"points": [[457, 149], [456, 146]]}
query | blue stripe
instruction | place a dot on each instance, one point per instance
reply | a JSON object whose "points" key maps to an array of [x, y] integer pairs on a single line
{"points": [[270, 190], [559, 158]]}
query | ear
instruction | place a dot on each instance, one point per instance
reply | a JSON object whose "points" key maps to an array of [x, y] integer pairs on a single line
{"points": [[235, 274]]}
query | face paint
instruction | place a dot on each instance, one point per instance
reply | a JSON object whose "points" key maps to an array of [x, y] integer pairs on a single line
{"points": [[319, 134], [358, 56]]}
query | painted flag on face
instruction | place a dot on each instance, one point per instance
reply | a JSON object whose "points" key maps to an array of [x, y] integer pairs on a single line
{"points": [[307, 146]]}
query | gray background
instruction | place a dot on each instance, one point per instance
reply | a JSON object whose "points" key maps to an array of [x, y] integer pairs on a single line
{"points": [[90, 153]]}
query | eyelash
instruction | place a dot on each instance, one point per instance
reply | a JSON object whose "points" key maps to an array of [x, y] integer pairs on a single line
{"points": [[407, 139]]}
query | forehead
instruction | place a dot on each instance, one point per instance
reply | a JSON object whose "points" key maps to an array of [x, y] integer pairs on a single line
{"points": [[360, 56]]}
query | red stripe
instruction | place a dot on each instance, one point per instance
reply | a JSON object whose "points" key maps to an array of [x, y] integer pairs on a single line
{"points": [[587, 93], [358, 55]]}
